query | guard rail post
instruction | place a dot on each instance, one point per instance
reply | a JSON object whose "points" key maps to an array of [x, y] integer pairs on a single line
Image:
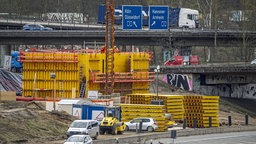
{"points": [[184, 123], [195, 122], [229, 121], [210, 121], [246, 119]]}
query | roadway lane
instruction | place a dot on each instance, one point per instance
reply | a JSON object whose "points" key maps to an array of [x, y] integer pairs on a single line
{"points": [[222, 138]]}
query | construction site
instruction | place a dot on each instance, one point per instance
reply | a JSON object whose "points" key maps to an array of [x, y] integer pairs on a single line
{"points": [[108, 74]]}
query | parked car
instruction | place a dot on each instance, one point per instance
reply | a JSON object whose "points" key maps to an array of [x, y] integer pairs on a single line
{"points": [[79, 139], [86, 127], [253, 62], [36, 27], [148, 124]]}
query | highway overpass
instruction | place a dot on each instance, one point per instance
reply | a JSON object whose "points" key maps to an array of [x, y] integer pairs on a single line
{"points": [[174, 37]]}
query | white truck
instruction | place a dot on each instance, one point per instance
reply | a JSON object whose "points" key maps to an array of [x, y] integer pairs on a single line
{"points": [[183, 18]]}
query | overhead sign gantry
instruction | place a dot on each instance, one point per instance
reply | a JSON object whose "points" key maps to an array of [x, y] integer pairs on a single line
{"points": [[158, 17], [132, 17]]}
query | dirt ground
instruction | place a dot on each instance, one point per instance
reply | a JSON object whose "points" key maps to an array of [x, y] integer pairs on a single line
{"points": [[29, 122]]}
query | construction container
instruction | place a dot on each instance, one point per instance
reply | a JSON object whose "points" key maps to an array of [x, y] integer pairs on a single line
{"points": [[64, 104], [104, 102], [91, 112]]}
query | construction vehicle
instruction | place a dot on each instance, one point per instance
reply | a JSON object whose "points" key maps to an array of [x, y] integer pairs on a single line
{"points": [[111, 123], [170, 121]]}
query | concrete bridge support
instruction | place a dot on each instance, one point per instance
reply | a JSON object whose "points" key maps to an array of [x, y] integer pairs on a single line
{"points": [[4, 50]]}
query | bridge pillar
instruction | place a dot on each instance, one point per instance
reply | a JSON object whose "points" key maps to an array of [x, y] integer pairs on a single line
{"points": [[4, 50]]}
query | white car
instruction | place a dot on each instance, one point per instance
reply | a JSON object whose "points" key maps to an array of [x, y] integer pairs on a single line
{"points": [[79, 139], [84, 127], [148, 124], [253, 62]]}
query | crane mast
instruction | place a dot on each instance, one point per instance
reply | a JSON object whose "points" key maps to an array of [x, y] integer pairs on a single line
{"points": [[109, 46]]}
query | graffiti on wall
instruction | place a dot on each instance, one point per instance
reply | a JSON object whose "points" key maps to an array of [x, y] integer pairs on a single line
{"points": [[247, 91], [64, 17], [226, 78], [179, 80]]}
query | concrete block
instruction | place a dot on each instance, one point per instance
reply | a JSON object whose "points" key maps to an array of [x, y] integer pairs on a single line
{"points": [[8, 95]]}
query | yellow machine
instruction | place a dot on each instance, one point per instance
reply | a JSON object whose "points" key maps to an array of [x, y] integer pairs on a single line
{"points": [[111, 123], [170, 122]]}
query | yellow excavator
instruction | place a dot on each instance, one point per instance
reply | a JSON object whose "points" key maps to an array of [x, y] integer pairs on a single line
{"points": [[111, 123]]}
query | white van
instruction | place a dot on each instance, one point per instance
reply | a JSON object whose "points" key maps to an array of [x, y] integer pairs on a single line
{"points": [[86, 127]]}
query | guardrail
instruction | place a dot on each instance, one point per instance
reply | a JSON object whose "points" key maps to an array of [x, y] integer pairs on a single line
{"points": [[180, 133]]}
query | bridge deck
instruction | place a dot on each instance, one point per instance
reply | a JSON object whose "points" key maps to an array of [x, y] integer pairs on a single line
{"points": [[209, 68]]}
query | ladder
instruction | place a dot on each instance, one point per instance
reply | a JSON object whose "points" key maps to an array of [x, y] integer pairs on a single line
{"points": [[82, 89], [61, 89]]}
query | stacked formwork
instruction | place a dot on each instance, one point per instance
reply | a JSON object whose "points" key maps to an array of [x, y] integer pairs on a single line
{"points": [[174, 106], [201, 108], [173, 103], [138, 98], [131, 111], [37, 67]]}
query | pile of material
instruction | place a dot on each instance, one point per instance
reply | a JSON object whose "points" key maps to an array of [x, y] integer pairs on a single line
{"points": [[10, 81]]}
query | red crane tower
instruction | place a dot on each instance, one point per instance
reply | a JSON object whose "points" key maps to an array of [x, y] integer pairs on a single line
{"points": [[109, 46]]}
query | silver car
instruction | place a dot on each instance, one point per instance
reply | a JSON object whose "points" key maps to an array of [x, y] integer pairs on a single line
{"points": [[253, 62], [148, 124], [79, 139], [86, 127]]}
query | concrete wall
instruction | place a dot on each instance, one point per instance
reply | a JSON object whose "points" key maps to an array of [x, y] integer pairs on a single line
{"points": [[247, 91], [225, 85], [235, 86]]}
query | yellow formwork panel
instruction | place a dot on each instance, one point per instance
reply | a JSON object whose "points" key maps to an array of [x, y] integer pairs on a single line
{"points": [[146, 114], [139, 61], [210, 97], [174, 104], [144, 110], [140, 106], [142, 87], [121, 62], [37, 69], [91, 62]]}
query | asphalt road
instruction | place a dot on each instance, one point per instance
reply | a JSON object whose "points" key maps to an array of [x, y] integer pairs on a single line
{"points": [[221, 138]]}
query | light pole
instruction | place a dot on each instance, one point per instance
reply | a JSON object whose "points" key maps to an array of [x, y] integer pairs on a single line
{"points": [[157, 70], [53, 76]]}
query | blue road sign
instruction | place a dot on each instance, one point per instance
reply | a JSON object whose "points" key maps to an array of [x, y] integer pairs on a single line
{"points": [[159, 17], [132, 17]]}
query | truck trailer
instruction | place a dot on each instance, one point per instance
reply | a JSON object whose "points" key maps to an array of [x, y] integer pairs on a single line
{"points": [[178, 17]]}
